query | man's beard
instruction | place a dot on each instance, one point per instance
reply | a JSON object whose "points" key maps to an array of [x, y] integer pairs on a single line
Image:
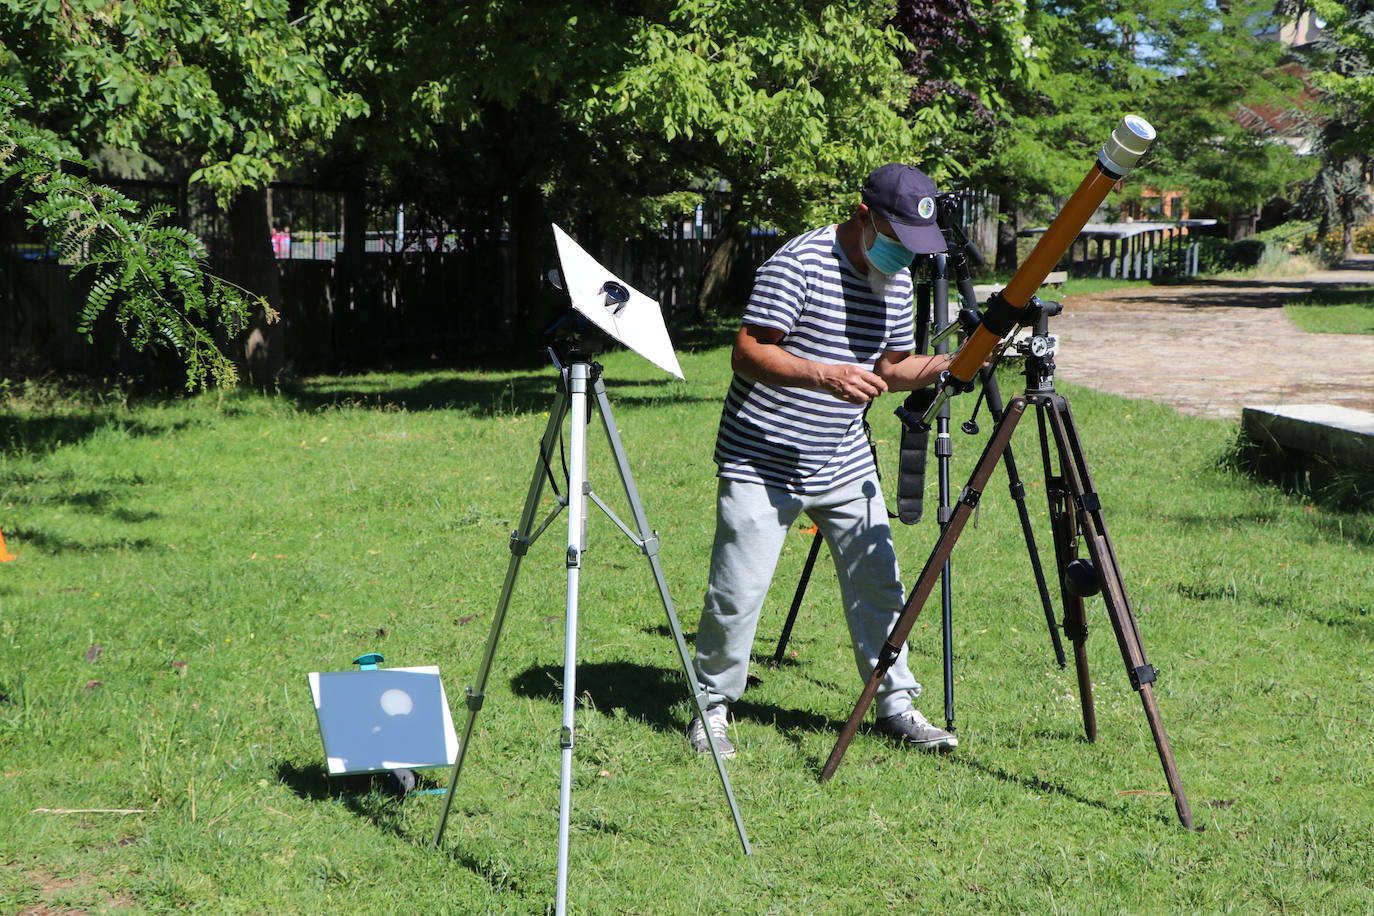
{"points": [[878, 281]]}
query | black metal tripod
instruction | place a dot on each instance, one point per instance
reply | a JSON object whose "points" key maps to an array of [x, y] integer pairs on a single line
{"points": [[1076, 516], [932, 306]]}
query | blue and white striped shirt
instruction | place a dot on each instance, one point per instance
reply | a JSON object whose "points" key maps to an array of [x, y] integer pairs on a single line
{"points": [[802, 440]]}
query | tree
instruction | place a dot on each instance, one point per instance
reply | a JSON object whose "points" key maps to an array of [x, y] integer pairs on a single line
{"points": [[614, 116], [1063, 72], [1348, 74], [224, 92], [1342, 67], [150, 275]]}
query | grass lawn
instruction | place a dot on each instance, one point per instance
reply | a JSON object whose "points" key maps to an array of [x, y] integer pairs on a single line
{"points": [[1345, 310], [183, 565]]}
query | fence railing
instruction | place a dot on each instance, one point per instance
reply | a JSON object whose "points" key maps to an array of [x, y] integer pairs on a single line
{"points": [[1139, 250], [418, 291]]}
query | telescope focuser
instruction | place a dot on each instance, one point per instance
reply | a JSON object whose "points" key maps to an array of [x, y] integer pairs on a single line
{"points": [[964, 323]]}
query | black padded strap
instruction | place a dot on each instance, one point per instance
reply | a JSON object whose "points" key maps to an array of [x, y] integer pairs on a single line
{"points": [[911, 456]]}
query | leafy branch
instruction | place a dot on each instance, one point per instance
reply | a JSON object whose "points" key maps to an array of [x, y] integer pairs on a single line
{"points": [[149, 274]]}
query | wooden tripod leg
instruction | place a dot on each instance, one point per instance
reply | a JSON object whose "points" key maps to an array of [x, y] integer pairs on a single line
{"points": [[1094, 528], [949, 536], [1064, 530]]}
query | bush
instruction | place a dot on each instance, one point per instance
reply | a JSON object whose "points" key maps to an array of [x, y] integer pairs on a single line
{"points": [[1296, 236], [1216, 254], [1362, 239]]}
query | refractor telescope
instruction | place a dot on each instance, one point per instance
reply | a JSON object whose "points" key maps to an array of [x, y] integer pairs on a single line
{"points": [[1121, 153]]}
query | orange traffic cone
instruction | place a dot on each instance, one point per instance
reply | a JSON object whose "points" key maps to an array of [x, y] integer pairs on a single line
{"points": [[5, 555]]}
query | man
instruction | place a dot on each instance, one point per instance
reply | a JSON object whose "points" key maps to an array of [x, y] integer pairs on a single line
{"points": [[827, 329]]}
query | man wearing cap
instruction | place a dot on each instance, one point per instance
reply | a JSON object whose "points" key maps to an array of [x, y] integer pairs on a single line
{"points": [[828, 328]]}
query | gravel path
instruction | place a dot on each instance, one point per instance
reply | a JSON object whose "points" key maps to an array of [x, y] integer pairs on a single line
{"points": [[1213, 348]]}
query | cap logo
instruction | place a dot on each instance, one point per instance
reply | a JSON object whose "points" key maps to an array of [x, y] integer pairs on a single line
{"points": [[926, 208]]}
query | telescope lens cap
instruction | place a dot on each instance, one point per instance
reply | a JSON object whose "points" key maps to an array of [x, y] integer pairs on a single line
{"points": [[1139, 126]]}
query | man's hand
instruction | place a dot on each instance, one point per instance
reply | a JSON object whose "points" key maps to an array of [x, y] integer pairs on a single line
{"points": [[851, 383], [757, 356]]}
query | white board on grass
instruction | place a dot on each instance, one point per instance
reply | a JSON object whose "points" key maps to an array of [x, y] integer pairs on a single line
{"points": [[386, 719]]}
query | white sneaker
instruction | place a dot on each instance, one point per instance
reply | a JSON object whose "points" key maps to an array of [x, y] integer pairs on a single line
{"points": [[717, 719], [911, 727]]}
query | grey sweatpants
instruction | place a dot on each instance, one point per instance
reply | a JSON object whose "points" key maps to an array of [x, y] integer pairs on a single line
{"points": [[752, 520]]}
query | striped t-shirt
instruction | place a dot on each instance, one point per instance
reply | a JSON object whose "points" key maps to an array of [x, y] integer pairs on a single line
{"points": [[802, 440]]}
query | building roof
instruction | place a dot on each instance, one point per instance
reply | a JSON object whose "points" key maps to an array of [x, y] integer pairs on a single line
{"points": [[1125, 230]]}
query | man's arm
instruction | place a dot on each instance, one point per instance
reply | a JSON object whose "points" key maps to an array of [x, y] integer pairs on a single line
{"points": [[905, 371], [757, 356]]}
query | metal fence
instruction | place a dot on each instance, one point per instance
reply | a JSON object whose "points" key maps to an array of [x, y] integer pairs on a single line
{"points": [[419, 292]]}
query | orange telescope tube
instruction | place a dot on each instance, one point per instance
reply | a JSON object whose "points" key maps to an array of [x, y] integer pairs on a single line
{"points": [[1118, 157]]}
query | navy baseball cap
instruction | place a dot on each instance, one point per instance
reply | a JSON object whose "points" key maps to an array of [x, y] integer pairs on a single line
{"points": [[906, 198]]}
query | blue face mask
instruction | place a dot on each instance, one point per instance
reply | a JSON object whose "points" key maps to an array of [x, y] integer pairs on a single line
{"points": [[887, 255]]}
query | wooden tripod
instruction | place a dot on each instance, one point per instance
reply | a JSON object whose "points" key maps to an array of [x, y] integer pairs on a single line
{"points": [[1076, 515]]}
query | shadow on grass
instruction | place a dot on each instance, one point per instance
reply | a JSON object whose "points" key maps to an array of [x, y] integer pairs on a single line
{"points": [[705, 336], [38, 538], [367, 797], [499, 395], [649, 695], [313, 783], [38, 434], [644, 693], [1344, 489], [1045, 787]]}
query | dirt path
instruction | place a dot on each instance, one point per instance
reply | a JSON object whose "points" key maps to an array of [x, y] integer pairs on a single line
{"points": [[1213, 348]]}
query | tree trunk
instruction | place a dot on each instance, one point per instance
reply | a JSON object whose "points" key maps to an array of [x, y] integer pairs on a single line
{"points": [[720, 282], [1007, 226], [263, 354]]}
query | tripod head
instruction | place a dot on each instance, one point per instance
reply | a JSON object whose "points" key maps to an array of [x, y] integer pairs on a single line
{"points": [[962, 251], [1040, 347]]}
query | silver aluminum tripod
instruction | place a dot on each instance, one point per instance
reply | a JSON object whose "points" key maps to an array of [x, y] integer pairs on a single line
{"points": [[572, 401]]}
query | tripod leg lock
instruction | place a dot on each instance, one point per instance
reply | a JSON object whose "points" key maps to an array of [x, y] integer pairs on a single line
{"points": [[1075, 630], [574, 558], [565, 737], [650, 545], [1141, 676], [970, 497], [474, 700], [887, 655], [1089, 502], [518, 545]]}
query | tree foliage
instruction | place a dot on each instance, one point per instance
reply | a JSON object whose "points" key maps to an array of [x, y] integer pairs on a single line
{"points": [[619, 111], [1347, 70], [1063, 72], [149, 275], [227, 90], [1341, 64]]}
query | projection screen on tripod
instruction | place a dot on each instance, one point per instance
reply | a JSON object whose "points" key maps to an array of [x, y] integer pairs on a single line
{"points": [[614, 306]]}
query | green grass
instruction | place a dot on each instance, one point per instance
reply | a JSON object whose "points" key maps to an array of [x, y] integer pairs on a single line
{"points": [[1073, 286], [1088, 285], [1346, 310], [218, 549]]}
